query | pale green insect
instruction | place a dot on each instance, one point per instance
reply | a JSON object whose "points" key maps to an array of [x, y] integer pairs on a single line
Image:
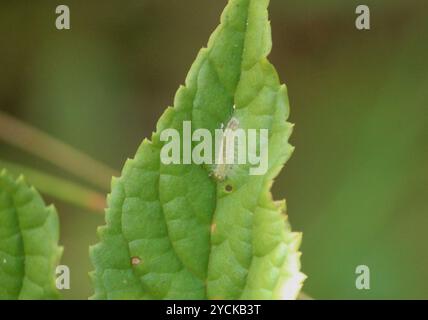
{"points": [[222, 166]]}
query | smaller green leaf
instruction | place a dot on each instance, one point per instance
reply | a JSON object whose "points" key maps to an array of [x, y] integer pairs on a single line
{"points": [[29, 251]]}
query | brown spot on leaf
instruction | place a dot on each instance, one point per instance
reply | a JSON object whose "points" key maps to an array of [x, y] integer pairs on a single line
{"points": [[135, 261]]}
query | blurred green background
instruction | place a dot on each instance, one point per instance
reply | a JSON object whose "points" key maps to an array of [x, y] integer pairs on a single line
{"points": [[357, 183]]}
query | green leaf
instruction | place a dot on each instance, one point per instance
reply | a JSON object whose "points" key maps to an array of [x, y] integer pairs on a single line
{"points": [[29, 250], [177, 232]]}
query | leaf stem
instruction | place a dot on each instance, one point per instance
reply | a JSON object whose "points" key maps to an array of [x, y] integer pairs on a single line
{"points": [[42, 145], [59, 188]]}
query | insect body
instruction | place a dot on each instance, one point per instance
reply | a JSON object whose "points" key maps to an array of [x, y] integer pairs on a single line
{"points": [[224, 147]]}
